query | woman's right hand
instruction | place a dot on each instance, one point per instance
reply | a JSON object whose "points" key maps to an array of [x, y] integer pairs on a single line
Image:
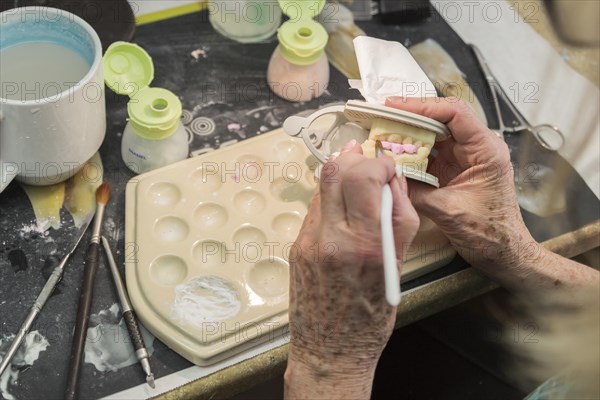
{"points": [[476, 206]]}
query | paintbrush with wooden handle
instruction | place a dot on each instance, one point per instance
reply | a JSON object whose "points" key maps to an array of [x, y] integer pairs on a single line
{"points": [[85, 298]]}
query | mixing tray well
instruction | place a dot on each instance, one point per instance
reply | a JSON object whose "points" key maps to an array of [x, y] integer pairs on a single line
{"points": [[207, 243]]}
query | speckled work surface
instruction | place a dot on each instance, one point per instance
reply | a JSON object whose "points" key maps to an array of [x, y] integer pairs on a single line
{"points": [[228, 86]]}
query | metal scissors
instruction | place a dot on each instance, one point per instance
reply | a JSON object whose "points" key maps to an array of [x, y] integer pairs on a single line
{"points": [[548, 136]]}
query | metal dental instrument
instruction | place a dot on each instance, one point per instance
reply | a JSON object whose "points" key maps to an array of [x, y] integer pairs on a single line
{"points": [[132, 326], [44, 295], [541, 132]]}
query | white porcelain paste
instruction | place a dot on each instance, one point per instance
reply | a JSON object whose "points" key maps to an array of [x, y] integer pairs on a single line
{"points": [[108, 346], [26, 356], [207, 299]]}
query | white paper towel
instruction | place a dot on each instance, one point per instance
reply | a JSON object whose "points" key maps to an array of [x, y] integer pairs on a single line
{"points": [[387, 69], [542, 85]]}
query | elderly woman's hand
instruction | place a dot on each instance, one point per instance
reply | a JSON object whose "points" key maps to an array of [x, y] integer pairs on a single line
{"points": [[339, 318], [477, 208]]}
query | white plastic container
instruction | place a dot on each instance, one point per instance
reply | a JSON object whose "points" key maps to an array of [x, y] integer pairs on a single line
{"points": [[299, 67], [245, 21], [298, 82], [154, 136]]}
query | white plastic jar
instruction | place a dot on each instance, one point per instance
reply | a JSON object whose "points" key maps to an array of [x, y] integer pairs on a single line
{"points": [[154, 136]]}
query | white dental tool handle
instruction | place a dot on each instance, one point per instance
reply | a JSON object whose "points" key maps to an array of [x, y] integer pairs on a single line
{"points": [[390, 264]]}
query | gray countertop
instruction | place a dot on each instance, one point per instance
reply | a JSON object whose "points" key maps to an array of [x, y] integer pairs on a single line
{"points": [[216, 87]]}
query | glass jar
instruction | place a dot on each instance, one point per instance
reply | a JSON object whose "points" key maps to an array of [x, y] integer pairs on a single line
{"points": [[299, 68], [245, 21], [154, 136]]}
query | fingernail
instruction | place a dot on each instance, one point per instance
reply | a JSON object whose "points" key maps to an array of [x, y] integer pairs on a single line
{"points": [[349, 146], [394, 99]]}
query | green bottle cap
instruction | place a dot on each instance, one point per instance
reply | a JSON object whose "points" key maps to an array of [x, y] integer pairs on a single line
{"points": [[127, 68], [302, 40], [154, 113], [302, 43], [301, 9]]}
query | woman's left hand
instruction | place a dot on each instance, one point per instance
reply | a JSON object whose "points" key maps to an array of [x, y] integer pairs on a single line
{"points": [[340, 320]]}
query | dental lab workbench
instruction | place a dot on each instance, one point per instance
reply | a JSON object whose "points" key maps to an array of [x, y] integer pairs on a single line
{"points": [[223, 87]]}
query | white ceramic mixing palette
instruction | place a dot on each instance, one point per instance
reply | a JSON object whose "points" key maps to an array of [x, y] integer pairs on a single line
{"points": [[207, 243]]}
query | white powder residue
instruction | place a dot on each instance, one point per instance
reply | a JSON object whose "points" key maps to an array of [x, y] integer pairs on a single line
{"points": [[112, 231], [108, 346], [210, 103], [271, 120], [8, 376], [206, 299], [34, 227], [26, 356]]}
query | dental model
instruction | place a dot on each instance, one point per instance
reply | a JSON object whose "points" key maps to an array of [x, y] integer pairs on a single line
{"points": [[406, 144], [406, 137]]}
